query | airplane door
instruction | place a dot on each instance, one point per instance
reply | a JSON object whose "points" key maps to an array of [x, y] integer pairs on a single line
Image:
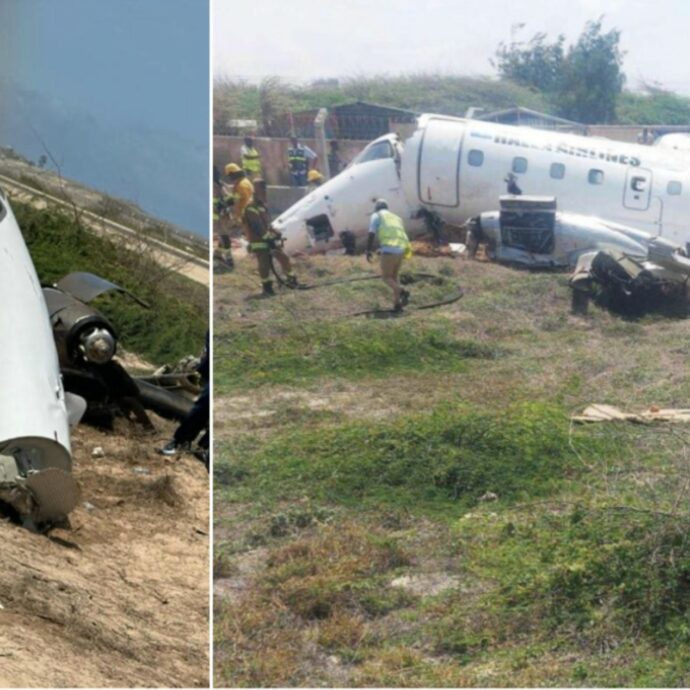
{"points": [[439, 162], [638, 189]]}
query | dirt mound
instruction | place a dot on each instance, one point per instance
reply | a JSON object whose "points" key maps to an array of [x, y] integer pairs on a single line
{"points": [[121, 598]]}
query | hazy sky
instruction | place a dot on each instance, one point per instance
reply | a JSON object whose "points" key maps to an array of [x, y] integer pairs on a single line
{"points": [[128, 66], [302, 39]]}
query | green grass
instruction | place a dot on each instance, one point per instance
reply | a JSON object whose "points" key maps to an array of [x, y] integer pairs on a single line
{"points": [[447, 459], [577, 573], [298, 353], [175, 324]]}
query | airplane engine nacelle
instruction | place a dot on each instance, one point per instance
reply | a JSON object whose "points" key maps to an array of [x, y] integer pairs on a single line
{"points": [[80, 332]]}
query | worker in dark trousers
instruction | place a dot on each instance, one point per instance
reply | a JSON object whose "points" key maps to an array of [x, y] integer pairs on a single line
{"points": [[300, 159], [264, 241], [197, 421]]}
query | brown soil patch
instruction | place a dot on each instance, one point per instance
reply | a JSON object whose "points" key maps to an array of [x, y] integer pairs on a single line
{"points": [[120, 598]]}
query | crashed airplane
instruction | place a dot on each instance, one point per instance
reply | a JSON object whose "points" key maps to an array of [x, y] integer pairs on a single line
{"points": [[633, 199], [59, 352], [35, 411]]}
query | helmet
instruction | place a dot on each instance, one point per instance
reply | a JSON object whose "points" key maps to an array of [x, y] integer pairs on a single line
{"points": [[314, 176], [232, 168], [380, 205]]}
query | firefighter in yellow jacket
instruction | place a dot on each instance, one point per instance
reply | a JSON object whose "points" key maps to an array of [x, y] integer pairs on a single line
{"points": [[394, 246], [264, 241], [242, 190]]}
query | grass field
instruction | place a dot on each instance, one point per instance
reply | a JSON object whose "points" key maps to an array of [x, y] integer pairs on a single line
{"points": [[405, 502]]}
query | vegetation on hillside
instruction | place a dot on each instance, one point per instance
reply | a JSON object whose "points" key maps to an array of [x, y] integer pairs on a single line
{"points": [[175, 324], [582, 82]]}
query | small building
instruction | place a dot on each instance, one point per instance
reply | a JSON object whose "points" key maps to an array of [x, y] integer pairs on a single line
{"points": [[359, 120], [524, 117]]}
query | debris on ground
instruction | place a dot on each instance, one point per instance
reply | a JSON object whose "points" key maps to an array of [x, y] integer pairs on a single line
{"points": [[609, 413]]}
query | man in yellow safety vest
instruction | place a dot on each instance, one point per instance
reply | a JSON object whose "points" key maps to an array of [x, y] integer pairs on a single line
{"points": [[251, 159], [393, 247]]}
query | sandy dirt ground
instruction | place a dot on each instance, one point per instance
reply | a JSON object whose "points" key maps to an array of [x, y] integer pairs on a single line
{"points": [[120, 598]]}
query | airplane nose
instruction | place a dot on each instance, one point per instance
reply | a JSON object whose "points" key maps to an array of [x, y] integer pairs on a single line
{"points": [[294, 232]]}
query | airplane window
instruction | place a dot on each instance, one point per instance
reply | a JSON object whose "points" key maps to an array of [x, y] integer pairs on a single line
{"points": [[375, 152], [519, 165], [595, 176], [475, 157], [557, 171], [674, 187]]}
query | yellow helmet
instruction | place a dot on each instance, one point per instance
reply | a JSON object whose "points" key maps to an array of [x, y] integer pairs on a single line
{"points": [[314, 176], [232, 168]]}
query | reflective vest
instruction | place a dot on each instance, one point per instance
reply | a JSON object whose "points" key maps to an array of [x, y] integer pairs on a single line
{"points": [[297, 159], [391, 232], [251, 160]]}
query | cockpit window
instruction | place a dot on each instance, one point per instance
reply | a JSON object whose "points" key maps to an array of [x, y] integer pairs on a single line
{"points": [[381, 149]]}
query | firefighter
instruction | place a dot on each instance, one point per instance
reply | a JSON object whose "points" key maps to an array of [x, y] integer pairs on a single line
{"points": [[242, 190], [314, 180], [264, 241], [251, 159], [394, 246], [222, 255]]}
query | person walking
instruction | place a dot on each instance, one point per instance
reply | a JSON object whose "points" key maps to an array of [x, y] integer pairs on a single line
{"points": [[264, 241], [394, 246], [300, 159]]}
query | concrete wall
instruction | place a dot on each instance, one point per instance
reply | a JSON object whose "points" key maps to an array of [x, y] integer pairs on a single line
{"points": [[273, 152], [280, 198]]}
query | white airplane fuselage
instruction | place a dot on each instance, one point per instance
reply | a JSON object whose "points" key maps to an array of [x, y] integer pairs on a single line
{"points": [[457, 169], [33, 411]]}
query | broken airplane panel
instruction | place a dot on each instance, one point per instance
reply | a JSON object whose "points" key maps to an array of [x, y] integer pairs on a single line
{"points": [[454, 169], [35, 453], [529, 231]]}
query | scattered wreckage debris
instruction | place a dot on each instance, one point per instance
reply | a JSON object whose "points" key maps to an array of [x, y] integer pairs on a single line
{"points": [[60, 352], [608, 413], [86, 342], [622, 268]]}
